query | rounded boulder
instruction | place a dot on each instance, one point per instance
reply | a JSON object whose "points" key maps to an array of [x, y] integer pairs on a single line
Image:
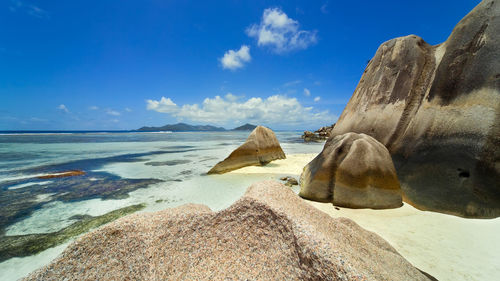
{"points": [[354, 171]]}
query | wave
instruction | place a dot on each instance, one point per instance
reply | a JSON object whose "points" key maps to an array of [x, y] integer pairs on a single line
{"points": [[17, 186]]}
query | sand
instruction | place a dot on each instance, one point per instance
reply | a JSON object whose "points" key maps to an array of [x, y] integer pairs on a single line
{"points": [[445, 246]]}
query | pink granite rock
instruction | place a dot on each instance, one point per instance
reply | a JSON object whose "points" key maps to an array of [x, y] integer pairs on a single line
{"points": [[269, 234]]}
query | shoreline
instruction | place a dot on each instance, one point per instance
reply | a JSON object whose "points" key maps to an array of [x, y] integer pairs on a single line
{"points": [[446, 246]]}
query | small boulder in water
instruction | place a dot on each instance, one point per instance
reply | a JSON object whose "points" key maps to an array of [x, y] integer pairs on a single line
{"points": [[64, 174], [260, 148], [289, 181]]}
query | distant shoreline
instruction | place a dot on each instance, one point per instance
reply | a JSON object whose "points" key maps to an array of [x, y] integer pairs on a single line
{"points": [[69, 132]]}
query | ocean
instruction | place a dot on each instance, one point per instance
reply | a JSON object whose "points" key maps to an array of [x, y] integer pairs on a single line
{"points": [[125, 172]]}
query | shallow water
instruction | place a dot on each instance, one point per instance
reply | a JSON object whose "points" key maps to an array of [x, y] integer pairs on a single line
{"points": [[122, 169]]}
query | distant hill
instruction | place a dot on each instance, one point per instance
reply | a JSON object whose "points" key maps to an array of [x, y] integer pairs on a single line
{"points": [[182, 127], [246, 127]]}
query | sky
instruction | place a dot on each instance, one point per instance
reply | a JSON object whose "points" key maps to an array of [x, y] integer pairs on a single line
{"points": [[120, 65]]}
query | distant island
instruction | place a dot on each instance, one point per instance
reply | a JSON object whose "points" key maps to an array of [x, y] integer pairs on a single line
{"points": [[246, 127], [183, 127]]}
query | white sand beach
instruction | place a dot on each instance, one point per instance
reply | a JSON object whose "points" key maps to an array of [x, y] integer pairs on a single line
{"points": [[445, 246]]}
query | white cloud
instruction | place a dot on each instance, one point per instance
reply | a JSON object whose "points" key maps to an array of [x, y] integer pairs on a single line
{"points": [[324, 8], [128, 109], [307, 92], [277, 110], [113, 112], [63, 108], [292, 83], [232, 98], [316, 99], [93, 107], [36, 119], [281, 33], [30, 9], [236, 59], [165, 105]]}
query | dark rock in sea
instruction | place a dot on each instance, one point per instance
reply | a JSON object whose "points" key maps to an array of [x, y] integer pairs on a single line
{"points": [[260, 148], [16, 204], [269, 234], [437, 110], [354, 171], [63, 174], [319, 135], [289, 181], [246, 127]]}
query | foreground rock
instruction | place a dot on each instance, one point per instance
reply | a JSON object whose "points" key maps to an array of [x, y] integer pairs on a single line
{"points": [[353, 170], [269, 234], [260, 148], [437, 110], [319, 135]]}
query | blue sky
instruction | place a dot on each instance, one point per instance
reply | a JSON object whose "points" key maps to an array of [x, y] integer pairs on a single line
{"points": [[101, 65]]}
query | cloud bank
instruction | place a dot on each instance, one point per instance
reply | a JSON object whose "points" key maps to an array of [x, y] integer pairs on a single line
{"points": [[277, 110], [280, 33]]}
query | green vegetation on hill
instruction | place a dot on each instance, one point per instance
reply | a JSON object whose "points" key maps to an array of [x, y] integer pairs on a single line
{"points": [[246, 127]]}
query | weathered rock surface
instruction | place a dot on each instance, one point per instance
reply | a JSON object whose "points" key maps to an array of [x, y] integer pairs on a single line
{"points": [[319, 135], [437, 110], [260, 148], [269, 234], [353, 170]]}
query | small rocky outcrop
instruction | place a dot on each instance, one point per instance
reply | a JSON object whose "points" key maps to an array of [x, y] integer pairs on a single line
{"points": [[319, 135], [437, 110], [269, 234], [289, 181], [64, 174], [260, 148], [353, 170]]}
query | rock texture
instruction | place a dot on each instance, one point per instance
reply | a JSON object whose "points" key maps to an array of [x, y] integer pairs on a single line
{"points": [[260, 148], [437, 110], [269, 234], [353, 170], [319, 135]]}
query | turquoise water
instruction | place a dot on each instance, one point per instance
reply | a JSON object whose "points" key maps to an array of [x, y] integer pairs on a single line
{"points": [[161, 170]]}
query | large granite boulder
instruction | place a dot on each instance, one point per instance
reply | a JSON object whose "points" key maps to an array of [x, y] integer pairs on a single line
{"points": [[260, 148], [269, 234], [354, 171], [437, 110]]}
